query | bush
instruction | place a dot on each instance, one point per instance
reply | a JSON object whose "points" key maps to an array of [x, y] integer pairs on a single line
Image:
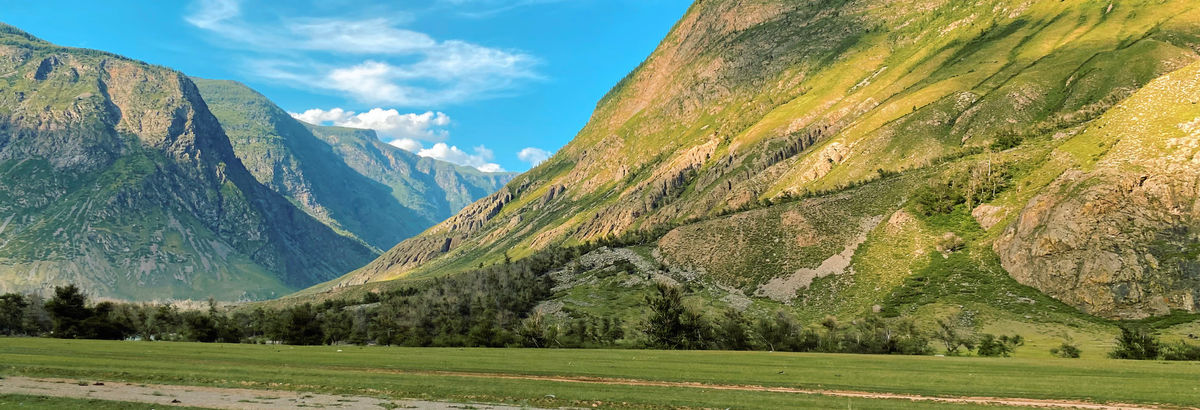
{"points": [[1181, 351], [937, 199], [1006, 141], [1066, 350], [1003, 346]]}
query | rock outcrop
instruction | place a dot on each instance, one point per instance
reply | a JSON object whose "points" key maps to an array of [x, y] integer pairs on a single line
{"points": [[1121, 238]]}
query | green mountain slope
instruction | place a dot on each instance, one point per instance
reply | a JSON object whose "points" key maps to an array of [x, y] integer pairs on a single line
{"points": [[115, 176], [345, 178], [862, 155]]}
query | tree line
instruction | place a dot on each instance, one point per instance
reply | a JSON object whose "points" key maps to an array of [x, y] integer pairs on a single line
{"points": [[494, 306], [488, 308]]}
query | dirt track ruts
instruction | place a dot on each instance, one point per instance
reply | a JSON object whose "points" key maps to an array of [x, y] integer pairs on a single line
{"points": [[1004, 401], [234, 398]]}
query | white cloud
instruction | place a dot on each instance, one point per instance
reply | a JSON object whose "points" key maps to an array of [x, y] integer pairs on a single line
{"points": [[457, 72], [406, 131], [402, 67], [370, 81], [407, 144], [212, 14], [317, 116], [450, 153], [534, 155], [429, 126], [486, 8], [373, 36]]}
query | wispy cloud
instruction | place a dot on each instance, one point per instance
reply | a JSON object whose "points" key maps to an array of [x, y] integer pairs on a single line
{"points": [[370, 60], [213, 14], [488, 8], [406, 131], [534, 155], [428, 126]]}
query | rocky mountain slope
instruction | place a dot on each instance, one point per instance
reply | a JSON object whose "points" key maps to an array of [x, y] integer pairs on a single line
{"points": [[880, 155], [346, 178], [1118, 234], [115, 176]]}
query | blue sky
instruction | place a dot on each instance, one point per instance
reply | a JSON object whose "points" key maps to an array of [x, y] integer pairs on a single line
{"points": [[495, 84]]}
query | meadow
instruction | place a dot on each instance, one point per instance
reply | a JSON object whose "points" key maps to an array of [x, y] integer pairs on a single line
{"points": [[604, 378]]}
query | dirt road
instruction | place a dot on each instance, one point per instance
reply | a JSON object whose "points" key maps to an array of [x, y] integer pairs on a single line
{"points": [[213, 397], [1001, 401], [230, 398]]}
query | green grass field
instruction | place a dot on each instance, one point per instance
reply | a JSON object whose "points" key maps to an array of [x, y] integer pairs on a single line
{"points": [[517, 376], [56, 403]]}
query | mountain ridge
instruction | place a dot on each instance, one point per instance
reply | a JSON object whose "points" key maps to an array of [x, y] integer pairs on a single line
{"points": [[961, 112], [344, 177], [120, 180]]}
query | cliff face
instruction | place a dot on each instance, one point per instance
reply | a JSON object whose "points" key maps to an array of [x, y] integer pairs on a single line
{"points": [[346, 178], [748, 103], [1118, 235], [114, 175]]}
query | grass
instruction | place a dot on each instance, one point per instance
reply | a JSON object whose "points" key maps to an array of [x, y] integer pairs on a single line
{"points": [[429, 373], [55, 403]]}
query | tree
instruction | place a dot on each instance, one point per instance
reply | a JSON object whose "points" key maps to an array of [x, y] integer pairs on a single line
{"points": [[37, 320], [532, 331], [163, 323], [831, 337], [782, 332], [954, 335], [303, 328], [336, 325], [1136, 344], [102, 324], [732, 331], [200, 327], [68, 309], [12, 313], [666, 327]]}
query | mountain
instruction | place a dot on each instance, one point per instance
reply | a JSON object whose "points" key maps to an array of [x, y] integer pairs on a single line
{"points": [[346, 178], [900, 156], [114, 175]]}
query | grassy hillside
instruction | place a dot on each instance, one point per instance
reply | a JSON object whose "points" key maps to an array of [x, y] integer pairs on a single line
{"points": [[859, 157]]}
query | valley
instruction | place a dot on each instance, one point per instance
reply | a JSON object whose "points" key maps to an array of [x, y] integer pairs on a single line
{"points": [[787, 204], [614, 378]]}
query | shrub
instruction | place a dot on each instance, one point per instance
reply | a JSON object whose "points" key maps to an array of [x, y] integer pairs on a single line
{"points": [[1006, 141], [1181, 351], [1003, 346], [1066, 350]]}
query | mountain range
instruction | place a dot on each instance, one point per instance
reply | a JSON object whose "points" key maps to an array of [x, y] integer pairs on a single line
{"points": [[133, 182], [1027, 160]]}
